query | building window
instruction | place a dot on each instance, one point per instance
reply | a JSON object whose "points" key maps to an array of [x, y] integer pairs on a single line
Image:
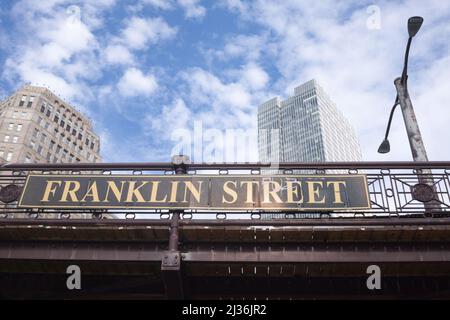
{"points": [[15, 139], [19, 127], [39, 149], [30, 102], [10, 126], [35, 133], [15, 114], [6, 139], [9, 156], [52, 144], [24, 115], [22, 101], [27, 159], [43, 137], [43, 108], [58, 149], [56, 119], [49, 155]]}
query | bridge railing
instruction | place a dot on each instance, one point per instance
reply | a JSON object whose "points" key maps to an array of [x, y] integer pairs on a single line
{"points": [[396, 189]]}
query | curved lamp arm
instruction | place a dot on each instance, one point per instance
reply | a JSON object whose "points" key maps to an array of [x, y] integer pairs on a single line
{"points": [[385, 146]]}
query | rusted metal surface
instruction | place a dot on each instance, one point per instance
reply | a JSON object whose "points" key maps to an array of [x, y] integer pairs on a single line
{"points": [[80, 251], [319, 253]]}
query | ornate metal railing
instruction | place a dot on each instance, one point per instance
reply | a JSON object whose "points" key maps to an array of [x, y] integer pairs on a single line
{"points": [[396, 189]]}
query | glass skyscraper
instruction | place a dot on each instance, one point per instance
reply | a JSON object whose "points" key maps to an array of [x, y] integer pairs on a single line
{"points": [[306, 127]]}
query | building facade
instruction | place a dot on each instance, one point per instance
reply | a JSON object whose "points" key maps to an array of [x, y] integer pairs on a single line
{"points": [[307, 127], [36, 126]]}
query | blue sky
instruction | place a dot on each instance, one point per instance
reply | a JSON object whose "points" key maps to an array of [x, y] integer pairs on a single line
{"points": [[148, 71]]}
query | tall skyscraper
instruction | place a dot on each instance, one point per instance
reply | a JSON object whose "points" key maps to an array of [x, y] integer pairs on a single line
{"points": [[36, 126], [307, 127]]}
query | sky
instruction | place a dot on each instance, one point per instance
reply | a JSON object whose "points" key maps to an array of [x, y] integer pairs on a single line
{"points": [[166, 76]]}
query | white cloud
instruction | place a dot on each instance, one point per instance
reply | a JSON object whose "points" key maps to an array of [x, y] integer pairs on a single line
{"points": [[160, 4], [247, 47], [330, 41], [254, 76], [192, 8], [207, 88], [172, 117], [118, 54], [56, 49], [235, 5], [135, 83], [140, 32]]}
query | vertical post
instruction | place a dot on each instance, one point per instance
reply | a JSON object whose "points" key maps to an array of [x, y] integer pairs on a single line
{"points": [[412, 127], [171, 263], [180, 163], [416, 143]]}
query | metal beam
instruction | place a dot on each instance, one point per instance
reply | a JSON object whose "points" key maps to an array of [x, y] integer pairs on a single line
{"points": [[258, 253], [316, 253], [230, 166], [80, 251], [92, 223]]}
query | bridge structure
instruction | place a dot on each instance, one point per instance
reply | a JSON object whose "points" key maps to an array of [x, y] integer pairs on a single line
{"points": [[138, 253]]}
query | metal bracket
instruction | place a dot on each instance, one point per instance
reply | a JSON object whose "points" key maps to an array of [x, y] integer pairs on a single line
{"points": [[171, 275], [171, 261]]}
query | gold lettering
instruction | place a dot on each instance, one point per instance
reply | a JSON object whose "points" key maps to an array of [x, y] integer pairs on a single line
{"points": [[154, 194], [231, 192], [337, 190], [49, 190], [70, 191], [249, 190], [292, 191], [92, 192], [134, 192], [113, 187], [315, 193], [194, 191], [173, 193], [271, 193]]}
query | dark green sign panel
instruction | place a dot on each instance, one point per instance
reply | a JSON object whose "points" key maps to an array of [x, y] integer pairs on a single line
{"points": [[227, 192]]}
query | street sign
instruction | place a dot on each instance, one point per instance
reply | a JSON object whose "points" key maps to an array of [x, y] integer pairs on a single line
{"points": [[219, 192]]}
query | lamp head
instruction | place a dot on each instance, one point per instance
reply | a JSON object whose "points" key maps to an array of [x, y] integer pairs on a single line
{"points": [[385, 147], [414, 24]]}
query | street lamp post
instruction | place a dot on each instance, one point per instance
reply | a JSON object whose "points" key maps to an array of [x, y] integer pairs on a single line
{"points": [[403, 99], [412, 127]]}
